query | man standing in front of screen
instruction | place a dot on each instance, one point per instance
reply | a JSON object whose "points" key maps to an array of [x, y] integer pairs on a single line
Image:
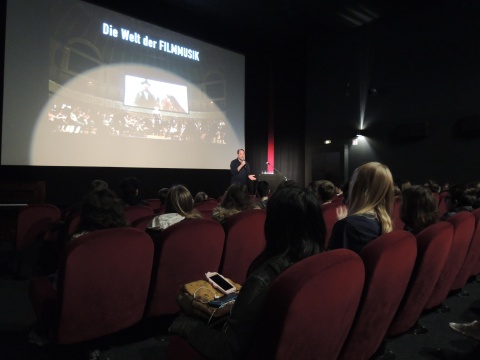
{"points": [[240, 169]]}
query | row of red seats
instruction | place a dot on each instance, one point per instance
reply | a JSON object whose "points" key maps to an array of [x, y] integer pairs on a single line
{"points": [[114, 278], [448, 254], [345, 305]]}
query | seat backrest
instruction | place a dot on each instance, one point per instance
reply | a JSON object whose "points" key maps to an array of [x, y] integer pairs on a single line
{"points": [[433, 244], [209, 204], [135, 212], [103, 285], [476, 266], [310, 307], [154, 203], [398, 223], [206, 207], [471, 259], [33, 222], [330, 217], [463, 226], [184, 252], [142, 222], [244, 241], [389, 262], [73, 224]]}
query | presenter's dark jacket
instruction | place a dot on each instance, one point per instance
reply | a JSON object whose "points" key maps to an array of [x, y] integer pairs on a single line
{"points": [[239, 177]]}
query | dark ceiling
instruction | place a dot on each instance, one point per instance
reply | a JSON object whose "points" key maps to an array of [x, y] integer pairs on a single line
{"points": [[239, 20], [338, 15]]}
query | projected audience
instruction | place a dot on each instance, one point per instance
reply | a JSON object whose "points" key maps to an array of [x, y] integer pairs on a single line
{"points": [[65, 118]]}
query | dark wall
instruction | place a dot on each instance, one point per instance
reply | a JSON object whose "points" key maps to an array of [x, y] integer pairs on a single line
{"points": [[425, 68]]}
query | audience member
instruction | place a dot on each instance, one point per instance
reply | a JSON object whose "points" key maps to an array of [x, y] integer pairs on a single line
{"points": [[72, 213], [458, 199], [74, 209], [130, 194], [403, 184], [326, 190], [397, 191], [286, 183], [162, 195], [262, 192], [447, 185], [201, 196], [433, 186], [100, 209], [294, 230], [178, 206], [98, 184], [370, 204], [235, 200], [473, 189], [418, 209]]}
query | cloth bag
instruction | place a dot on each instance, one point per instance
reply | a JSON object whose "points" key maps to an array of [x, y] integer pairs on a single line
{"points": [[194, 297]]}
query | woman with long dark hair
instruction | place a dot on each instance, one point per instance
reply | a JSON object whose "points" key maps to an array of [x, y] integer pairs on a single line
{"points": [[294, 230]]}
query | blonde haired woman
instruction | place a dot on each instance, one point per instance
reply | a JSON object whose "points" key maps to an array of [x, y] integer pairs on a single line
{"points": [[370, 204]]}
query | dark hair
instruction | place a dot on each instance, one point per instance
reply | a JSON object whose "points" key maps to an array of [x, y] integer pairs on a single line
{"points": [[98, 185], [433, 186], [129, 186], [294, 226], [263, 188], [101, 209], [237, 197], [460, 196], [418, 209], [162, 195], [200, 197], [325, 190], [179, 200], [286, 183]]}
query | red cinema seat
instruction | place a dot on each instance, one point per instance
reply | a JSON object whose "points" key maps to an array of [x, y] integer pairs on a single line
{"points": [[102, 286], [244, 241], [463, 226], [306, 315], [433, 244], [389, 262], [136, 212], [184, 252]]}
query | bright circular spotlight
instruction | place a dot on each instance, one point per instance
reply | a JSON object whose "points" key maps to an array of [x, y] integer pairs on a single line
{"points": [[328, 142]]}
